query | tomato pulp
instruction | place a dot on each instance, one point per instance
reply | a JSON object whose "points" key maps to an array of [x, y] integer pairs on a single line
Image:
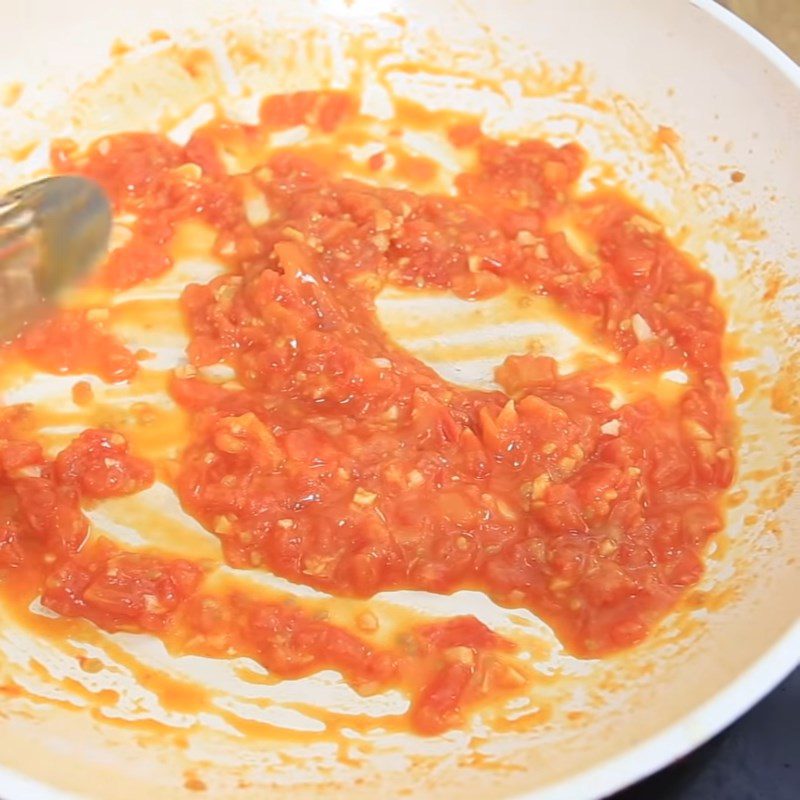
{"points": [[336, 459]]}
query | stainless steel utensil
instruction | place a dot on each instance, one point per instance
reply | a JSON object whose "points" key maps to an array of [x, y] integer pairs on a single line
{"points": [[51, 233]]}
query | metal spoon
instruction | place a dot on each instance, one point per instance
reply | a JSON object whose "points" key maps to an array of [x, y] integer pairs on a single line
{"points": [[51, 233]]}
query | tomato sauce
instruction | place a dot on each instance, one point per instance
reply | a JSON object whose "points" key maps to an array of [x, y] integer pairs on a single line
{"points": [[74, 341], [338, 460]]}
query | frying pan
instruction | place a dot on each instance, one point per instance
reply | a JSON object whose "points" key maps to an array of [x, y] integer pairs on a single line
{"points": [[674, 97]]}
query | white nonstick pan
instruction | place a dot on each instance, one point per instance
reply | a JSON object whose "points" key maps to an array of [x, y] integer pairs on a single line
{"points": [[611, 75]]}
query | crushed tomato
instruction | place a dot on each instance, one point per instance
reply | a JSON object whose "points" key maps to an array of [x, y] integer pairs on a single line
{"points": [[338, 460]]}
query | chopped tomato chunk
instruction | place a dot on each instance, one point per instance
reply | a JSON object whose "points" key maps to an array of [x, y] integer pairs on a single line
{"points": [[119, 590], [99, 463]]}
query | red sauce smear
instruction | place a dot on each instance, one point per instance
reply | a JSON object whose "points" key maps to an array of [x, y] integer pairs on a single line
{"points": [[338, 460], [71, 342]]}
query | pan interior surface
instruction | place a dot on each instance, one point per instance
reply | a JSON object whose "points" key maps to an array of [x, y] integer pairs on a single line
{"points": [[668, 99]]}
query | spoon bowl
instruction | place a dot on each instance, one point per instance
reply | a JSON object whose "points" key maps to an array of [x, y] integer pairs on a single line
{"points": [[52, 232]]}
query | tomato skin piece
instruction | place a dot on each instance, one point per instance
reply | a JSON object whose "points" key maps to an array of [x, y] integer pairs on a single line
{"points": [[519, 375], [463, 668], [464, 631], [438, 707]]}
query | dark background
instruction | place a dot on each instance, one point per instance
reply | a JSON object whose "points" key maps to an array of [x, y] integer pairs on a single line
{"points": [[757, 758]]}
